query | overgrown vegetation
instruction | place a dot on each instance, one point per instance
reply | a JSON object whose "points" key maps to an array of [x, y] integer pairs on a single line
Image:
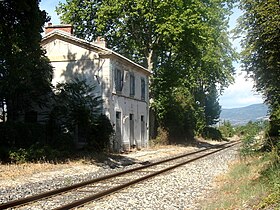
{"points": [[226, 129], [261, 53], [36, 121], [260, 58], [253, 182], [212, 133], [77, 111], [75, 117], [162, 137], [253, 137]]}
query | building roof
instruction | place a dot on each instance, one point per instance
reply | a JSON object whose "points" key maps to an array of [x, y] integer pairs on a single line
{"points": [[59, 34]]}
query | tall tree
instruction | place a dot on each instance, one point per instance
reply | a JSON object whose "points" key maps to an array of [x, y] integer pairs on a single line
{"points": [[184, 44], [147, 31], [25, 73], [212, 107], [260, 25]]}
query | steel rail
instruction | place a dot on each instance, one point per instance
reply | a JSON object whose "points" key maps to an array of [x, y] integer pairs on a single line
{"points": [[50, 193], [122, 186]]}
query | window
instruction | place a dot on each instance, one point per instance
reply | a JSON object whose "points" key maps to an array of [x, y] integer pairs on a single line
{"points": [[132, 85], [143, 89], [118, 115], [118, 80]]}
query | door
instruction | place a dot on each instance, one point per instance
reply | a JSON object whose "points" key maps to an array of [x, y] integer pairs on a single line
{"points": [[142, 131], [117, 141], [131, 133]]}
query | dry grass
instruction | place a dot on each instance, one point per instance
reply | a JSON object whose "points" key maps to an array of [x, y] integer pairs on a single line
{"points": [[12, 175], [240, 188], [13, 171]]}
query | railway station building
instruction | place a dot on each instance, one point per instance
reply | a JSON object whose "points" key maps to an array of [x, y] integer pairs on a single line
{"points": [[122, 84]]}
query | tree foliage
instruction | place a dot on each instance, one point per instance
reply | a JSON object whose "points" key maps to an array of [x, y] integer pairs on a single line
{"points": [[183, 43], [212, 107], [77, 112], [75, 104], [260, 24], [227, 129], [25, 73]]}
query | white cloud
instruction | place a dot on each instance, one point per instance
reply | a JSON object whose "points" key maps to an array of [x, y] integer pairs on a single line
{"points": [[241, 93]]}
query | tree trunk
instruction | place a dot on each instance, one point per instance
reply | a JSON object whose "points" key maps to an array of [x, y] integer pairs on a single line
{"points": [[150, 62]]}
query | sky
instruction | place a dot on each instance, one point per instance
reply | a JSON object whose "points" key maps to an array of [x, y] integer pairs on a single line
{"points": [[239, 94]]}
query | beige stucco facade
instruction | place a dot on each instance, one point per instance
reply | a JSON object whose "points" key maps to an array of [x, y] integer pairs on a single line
{"points": [[122, 84]]}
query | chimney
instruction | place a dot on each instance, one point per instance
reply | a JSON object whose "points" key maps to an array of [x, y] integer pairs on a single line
{"points": [[100, 41], [63, 27]]}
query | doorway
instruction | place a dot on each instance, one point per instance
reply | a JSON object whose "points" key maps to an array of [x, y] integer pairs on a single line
{"points": [[131, 133], [142, 131], [117, 141]]}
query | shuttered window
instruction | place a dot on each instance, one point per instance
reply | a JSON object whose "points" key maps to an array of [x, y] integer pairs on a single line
{"points": [[118, 80], [132, 85], [143, 89]]}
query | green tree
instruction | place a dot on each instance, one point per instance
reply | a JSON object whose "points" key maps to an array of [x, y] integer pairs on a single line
{"points": [[77, 113], [183, 43], [25, 73], [212, 107], [227, 129], [75, 104], [152, 32], [260, 25]]}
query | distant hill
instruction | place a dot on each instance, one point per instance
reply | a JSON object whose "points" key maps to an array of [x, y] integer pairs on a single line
{"points": [[242, 115]]}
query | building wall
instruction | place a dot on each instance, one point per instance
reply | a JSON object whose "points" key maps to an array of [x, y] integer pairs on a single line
{"points": [[70, 61], [123, 102]]}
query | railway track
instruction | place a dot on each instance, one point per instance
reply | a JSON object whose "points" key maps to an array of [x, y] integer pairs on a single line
{"points": [[84, 192]]}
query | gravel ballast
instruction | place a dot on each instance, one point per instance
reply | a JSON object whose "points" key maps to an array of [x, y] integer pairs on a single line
{"points": [[183, 188]]}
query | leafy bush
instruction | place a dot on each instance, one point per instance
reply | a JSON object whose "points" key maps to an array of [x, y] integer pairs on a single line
{"points": [[227, 129], [75, 104], [18, 156], [162, 137], [100, 133], [78, 109], [212, 133], [270, 177], [248, 145], [252, 135], [273, 134], [36, 152]]}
